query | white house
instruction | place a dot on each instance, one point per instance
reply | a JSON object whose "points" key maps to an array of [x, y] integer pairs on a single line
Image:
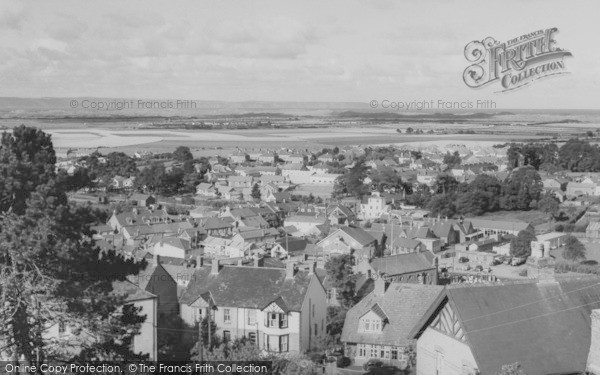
{"points": [[279, 310]]}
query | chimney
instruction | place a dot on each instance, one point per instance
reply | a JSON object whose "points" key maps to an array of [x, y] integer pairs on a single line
{"points": [[199, 261], [289, 271], [312, 267], [214, 270], [379, 288], [155, 259], [593, 361]]}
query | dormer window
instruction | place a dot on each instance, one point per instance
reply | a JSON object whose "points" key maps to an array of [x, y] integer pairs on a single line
{"points": [[373, 320]]}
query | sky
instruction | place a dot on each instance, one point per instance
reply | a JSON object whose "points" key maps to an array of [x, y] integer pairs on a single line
{"points": [[301, 50]]}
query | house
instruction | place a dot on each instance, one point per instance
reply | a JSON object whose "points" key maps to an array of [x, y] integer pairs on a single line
{"points": [[306, 225], [118, 182], [206, 190], [72, 340], [576, 189], [280, 310], [290, 247], [414, 268], [593, 230], [489, 227], [142, 200], [145, 341], [229, 193], [340, 214], [173, 247], [156, 280], [238, 157], [380, 325], [545, 326], [214, 226], [296, 173], [323, 179], [136, 216], [347, 240], [240, 181], [219, 248], [374, 206]]}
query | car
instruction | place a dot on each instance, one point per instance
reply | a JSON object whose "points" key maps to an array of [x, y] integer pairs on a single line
{"points": [[478, 268], [467, 267], [517, 261], [508, 260], [463, 260]]}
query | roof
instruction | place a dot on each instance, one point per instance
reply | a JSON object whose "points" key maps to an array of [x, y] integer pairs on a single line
{"points": [[248, 287], [499, 224], [359, 235], [292, 244], [593, 225], [403, 263], [543, 326], [403, 304], [131, 291]]}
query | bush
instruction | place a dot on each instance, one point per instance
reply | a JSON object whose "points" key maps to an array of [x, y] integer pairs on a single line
{"points": [[343, 362], [317, 357], [372, 363], [563, 267], [523, 273]]}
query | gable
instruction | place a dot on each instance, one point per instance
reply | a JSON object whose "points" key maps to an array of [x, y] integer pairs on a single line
{"points": [[446, 321]]}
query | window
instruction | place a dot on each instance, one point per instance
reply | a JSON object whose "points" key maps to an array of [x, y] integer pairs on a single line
{"points": [[329, 294], [62, 327], [283, 321], [373, 353], [226, 316], [226, 336], [394, 353], [272, 319], [316, 327], [313, 311], [283, 343], [251, 317], [361, 350], [252, 338]]}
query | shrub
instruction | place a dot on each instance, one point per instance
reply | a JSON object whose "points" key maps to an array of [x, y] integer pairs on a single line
{"points": [[563, 267], [343, 362], [523, 273], [372, 363]]}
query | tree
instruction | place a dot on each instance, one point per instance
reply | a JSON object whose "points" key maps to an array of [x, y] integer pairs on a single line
{"points": [[522, 186], [27, 161], [255, 193], [574, 250], [452, 160], [409, 130], [175, 338], [442, 204], [339, 270], [351, 182], [182, 154], [52, 271], [445, 183], [548, 204], [520, 246]]}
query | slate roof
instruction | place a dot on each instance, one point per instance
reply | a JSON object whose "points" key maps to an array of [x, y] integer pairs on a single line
{"points": [[404, 305], [293, 244], [131, 291], [403, 263], [248, 287], [543, 326], [499, 224], [359, 235]]}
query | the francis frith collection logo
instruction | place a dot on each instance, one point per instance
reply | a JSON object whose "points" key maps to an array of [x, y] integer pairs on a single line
{"points": [[515, 63]]}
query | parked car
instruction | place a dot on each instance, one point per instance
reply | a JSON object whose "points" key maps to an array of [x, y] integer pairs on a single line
{"points": [[497, 260], [517, 261], [508, 260], [463, 260], [478, 268]]}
